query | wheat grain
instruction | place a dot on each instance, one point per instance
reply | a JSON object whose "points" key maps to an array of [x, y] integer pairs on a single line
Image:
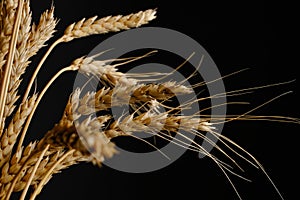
{"points": [[8, 18]]}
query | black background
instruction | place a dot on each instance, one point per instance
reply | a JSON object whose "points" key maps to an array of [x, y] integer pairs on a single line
{"points": [[237, 35]]}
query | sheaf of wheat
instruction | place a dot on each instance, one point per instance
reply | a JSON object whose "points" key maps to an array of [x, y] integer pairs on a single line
{"points": [[33, 165]]}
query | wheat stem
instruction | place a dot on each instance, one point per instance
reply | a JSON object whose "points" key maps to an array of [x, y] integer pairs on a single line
{"points": [[70, 68], [39, 67], [49, 172], [23, 195], [8, 68]]}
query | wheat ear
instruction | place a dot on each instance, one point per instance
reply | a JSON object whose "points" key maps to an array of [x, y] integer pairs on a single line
{"points": [[39, 35], [8, 16], [20, 62], [10, 135], [7, 71], [93, 26], [42, 32]]}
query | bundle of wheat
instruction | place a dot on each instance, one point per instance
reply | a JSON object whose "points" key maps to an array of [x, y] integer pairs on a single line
{"points": [[61, 147]]}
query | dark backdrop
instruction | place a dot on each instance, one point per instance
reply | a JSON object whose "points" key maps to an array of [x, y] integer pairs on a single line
{"points": [[237, 35]]}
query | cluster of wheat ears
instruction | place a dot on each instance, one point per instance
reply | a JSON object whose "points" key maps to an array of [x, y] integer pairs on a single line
{"points": [[32, 165]]}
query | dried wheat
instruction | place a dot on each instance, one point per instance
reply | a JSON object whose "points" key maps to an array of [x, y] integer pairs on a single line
{"points": [[93, 26], [72, 140]]}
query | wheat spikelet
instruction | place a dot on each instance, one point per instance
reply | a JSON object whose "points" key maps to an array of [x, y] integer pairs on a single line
{"points": [[14, 128], [92, 26], [94, 140]]}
